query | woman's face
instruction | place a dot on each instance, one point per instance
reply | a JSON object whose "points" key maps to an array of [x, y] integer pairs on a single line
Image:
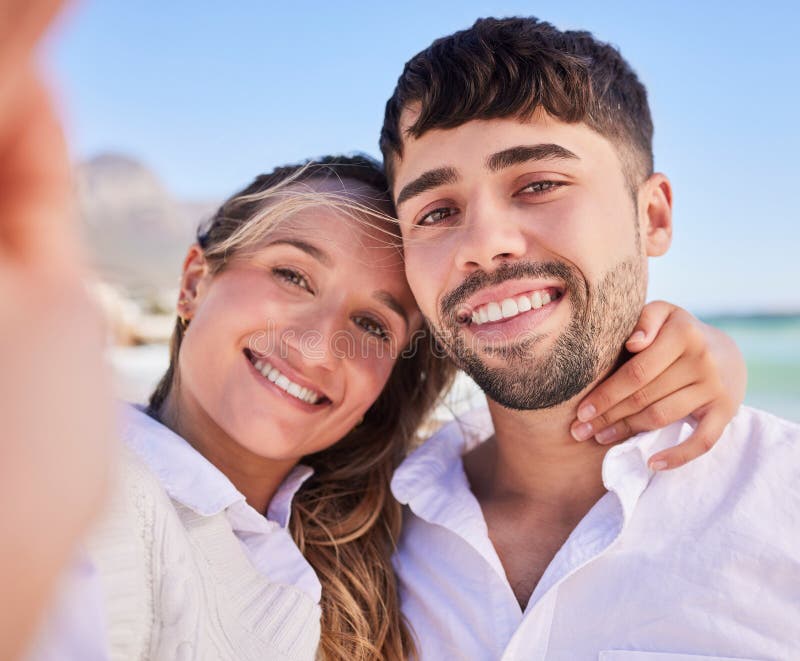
{"points": [[290, 344]]}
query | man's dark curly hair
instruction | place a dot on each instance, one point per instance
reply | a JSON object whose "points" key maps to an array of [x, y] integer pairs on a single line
{"points": [[512, 67]]}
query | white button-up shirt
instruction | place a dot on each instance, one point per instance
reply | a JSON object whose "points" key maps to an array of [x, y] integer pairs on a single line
{"points": [[72, 631], [192, 480], [692, 564]]}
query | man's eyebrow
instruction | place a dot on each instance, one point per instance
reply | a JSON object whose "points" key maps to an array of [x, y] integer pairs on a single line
{"points": [[524, 153], [426, 181], [392, 303], [317, 253]]}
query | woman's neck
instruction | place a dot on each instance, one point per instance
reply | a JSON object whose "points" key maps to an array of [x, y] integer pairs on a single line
{"points": [[255, 477]]}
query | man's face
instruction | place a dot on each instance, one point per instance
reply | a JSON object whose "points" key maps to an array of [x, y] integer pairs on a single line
{"points": [[526, 250]]}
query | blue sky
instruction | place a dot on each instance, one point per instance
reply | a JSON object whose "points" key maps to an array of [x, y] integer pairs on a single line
{"points": [[208, 97]]}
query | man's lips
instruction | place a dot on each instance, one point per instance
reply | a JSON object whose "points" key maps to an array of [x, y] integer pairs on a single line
{"points": [[507, 300], [512, 327]]}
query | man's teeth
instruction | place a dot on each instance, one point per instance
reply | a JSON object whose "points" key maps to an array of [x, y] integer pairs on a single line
{"points": [[284, 383], [510, 307]]}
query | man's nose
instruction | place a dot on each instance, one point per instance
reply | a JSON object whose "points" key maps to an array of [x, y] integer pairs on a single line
{"points": [[490, 236]]}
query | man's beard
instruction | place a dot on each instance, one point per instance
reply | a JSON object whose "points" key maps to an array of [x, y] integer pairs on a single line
{"points": [[602, 319]]}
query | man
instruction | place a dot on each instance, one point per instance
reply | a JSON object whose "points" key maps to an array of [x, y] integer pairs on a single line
{"points": [[521, 164]]}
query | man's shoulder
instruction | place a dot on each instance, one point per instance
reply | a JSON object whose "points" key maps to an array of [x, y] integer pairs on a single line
{"points": [[750, 477], [759, 418], [761, 436], [752, 435]]}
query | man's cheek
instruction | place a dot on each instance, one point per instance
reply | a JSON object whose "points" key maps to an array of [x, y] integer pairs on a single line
{"points": [[414, 274], [426, 297]]}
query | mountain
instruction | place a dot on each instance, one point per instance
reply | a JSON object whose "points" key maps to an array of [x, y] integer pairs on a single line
{"points": [[136, 230]]}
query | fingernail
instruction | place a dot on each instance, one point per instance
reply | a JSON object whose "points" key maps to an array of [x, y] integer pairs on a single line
{"points": [[606, 435], [586, 412], [658, 465], [638, 336], [582, 431]]}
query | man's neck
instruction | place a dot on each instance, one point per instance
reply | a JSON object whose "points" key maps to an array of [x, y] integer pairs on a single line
{"points": [[534, 483], [533, 457]]}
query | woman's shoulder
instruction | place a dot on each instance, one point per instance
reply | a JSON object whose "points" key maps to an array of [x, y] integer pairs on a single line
{"points": [[136, 490], [120, 549]]}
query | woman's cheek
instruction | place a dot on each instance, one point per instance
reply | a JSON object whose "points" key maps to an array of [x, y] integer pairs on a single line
{"points": [[373, 373], [384, 371]]}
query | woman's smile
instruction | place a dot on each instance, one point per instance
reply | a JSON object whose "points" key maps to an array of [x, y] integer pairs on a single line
{"points": [[286, 382]]}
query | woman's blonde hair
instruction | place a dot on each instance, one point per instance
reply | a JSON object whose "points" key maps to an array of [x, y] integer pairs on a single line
{"points": [[344, 518]]}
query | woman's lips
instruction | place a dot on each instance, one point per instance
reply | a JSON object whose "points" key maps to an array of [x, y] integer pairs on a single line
{"points": [[306, 396]]}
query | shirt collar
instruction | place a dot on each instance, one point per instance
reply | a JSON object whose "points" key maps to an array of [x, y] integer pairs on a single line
{"points": [[625, 469], [426, 479], [434, 485], [440, 456], [280, 507], [192, 480]]}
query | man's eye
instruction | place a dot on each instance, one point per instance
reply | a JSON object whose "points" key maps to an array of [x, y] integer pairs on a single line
{"points": [[372, 327], [436, 216], [538, 187], [293, 277]]}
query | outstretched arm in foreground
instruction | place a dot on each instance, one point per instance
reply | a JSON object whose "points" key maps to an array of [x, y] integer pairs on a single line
{"points": [[56, 408]]}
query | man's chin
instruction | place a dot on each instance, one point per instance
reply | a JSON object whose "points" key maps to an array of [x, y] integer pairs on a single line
{"points": [[529, 393], [527, 377], [517, 356]]}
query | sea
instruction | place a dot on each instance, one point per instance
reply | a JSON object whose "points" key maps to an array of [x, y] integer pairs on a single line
{"points": [[771, 348], [769, 343]]}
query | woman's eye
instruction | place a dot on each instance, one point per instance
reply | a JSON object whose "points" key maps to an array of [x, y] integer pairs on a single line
{"points": [[372, 327], [538, 187], [436, 216], [292, 276]]}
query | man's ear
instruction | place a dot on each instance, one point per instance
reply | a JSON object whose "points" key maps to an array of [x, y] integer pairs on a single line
{"points": [[195, 271], [655, 212]]}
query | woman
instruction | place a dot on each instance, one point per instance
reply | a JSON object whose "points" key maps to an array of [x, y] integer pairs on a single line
{"points": [[293, 312]]}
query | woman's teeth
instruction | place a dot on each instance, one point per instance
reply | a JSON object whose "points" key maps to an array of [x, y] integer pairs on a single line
{"points": [[510, 307], [284, 383]]}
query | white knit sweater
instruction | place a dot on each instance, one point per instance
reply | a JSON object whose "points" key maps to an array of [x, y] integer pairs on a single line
{"points": [[178, 585]]}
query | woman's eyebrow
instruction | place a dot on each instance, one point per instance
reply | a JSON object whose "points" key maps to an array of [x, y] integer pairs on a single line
{"points": [[392, 303], [317, 253]]}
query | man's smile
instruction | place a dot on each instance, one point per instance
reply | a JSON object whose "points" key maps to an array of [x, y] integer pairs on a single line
{"points": [[499, 309], [500, 312]]}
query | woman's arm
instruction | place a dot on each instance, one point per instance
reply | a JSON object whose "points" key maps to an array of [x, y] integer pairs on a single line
{"points": [[681, 367]]}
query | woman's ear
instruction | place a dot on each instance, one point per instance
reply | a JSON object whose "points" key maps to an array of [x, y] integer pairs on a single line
{"points": [[195, 271], [655, 214]]}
